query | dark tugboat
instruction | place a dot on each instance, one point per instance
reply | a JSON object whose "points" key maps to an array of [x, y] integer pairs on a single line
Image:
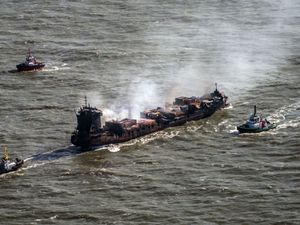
{"points": [[7, 165], [89, 131], [30, 64], [255, 124]]}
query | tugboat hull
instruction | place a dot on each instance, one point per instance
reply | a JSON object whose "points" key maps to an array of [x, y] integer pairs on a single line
{"points": [[244, 129], [24, 67]]}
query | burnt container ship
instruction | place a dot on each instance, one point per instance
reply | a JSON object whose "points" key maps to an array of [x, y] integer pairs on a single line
{"points": [[89, 131]]}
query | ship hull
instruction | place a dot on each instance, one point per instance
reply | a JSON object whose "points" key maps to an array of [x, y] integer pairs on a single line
{"points": [[100, 138], [244, 129], [24, 67]]}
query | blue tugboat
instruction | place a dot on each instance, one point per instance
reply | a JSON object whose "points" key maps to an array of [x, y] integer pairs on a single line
{"points": [[30, 64], [256, 124], [7, 165]]}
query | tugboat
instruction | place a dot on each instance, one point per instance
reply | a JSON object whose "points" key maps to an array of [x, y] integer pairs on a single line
{"points": [[89, 131], [7, 165], [256, 124], [30, 64]]}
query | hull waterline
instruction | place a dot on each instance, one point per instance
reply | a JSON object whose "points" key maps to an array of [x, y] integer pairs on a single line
{"points": [[243, 129]]}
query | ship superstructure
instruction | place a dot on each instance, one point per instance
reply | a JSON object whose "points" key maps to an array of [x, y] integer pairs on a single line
{"points": [[90, 132]]}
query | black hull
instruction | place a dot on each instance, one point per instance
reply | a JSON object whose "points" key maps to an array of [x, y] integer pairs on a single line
{"points": [[24, 67], [244, 129], [96, 139]]}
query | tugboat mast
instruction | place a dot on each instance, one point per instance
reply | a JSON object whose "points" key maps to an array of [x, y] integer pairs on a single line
{"points": [[5, 153]]}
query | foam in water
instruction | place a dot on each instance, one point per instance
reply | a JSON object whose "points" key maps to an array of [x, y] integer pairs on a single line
{"points": [[113, 148], [54, 67], [281, 115]]}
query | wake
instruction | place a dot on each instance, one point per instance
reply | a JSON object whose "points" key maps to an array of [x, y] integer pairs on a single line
{"points": [[287, 116]]}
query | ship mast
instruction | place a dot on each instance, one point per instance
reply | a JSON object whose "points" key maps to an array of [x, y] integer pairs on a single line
{"points": [[29, 52], [5, 153], [85, 101]]}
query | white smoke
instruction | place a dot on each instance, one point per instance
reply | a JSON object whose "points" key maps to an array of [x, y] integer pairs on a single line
{"points": [[144, 93], [114, 114], [237, 52]]}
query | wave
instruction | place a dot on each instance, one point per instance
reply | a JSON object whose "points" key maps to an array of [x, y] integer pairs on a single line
{"points": [[56, 154], [289, 124], [285, 110], [34, 165], [287, 116], [55, 67]]}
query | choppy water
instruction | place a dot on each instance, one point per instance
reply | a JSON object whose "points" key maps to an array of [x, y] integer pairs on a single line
{"points": [[128, 55]]}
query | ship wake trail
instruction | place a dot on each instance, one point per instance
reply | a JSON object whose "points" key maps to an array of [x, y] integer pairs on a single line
{"points": [[56, 154], [287, 116], [65, 152]]}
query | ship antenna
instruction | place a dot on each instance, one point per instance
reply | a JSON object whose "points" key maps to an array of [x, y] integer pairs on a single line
{"points": [[216, 84], [254, 110], [85, 101]]}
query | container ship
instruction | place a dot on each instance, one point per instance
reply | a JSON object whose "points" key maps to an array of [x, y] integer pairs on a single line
{"points": [[90, 132]]}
